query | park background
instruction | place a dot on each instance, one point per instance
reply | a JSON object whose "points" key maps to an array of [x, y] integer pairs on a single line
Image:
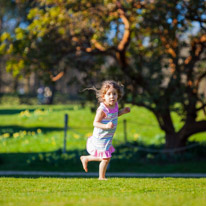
{"points": [[51, 50]]}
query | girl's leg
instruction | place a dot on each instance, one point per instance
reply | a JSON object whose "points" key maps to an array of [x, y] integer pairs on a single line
{"points": [[103, 167], [88, 158], [106, 168]]}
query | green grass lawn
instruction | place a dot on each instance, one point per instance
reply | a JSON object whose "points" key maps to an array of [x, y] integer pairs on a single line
{"points": [[41, 128], [31, 136], [114, 191]]}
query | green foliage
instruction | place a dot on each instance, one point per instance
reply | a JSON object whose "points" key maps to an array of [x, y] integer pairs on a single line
{"points": [[5, 36], [15, 66]]}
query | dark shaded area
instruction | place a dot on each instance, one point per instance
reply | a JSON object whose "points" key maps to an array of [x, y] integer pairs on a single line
{"points": [[18, 111], [14, 128], [125, 159], [13, 111]]}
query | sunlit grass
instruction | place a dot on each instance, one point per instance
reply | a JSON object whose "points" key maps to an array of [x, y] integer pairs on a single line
{"points": [[41, 128], [115, 191]]}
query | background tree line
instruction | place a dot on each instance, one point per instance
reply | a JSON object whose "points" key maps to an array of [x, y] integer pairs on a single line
{"points": [[152, 47]]}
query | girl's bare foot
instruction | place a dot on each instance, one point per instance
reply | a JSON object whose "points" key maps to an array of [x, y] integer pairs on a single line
{"points": [[102, 179], [84, 163]]}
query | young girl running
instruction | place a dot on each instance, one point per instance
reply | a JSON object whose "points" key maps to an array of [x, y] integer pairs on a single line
{"points": [[99, 145]]}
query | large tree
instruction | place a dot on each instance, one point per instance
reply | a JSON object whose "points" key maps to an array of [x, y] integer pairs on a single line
{"points": [[150, 46]]}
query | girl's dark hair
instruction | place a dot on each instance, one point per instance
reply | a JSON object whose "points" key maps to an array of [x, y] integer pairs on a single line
{"points": [[105, 86]]}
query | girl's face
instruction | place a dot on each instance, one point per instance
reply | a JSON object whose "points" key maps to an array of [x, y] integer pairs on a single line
{"points": [[111, 96]]}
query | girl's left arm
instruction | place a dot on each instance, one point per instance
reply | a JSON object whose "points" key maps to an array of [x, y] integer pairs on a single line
{"points": [[124, 111]]}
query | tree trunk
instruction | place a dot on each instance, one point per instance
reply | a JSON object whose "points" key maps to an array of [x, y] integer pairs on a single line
{"points": [[15, 84], [51, 100], [175, 141]]}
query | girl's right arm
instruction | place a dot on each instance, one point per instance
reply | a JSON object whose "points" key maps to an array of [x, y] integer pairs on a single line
{"points": [[98, 118]]}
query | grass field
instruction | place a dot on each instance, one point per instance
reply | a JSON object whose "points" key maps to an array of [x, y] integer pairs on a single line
{"points": [[31, 138], [90, 191], [41, 128]]}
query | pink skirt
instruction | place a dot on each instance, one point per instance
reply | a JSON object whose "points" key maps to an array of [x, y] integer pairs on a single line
{"points": [[94, 152]]}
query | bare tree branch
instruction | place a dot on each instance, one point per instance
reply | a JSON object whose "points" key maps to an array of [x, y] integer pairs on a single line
{"points": [[193, 128], [57, 77], [126, 37]]}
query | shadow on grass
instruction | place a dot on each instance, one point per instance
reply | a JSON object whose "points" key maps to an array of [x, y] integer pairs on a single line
{"points": [[13, 111], [11, 129], [124, 159], [42, 107]]}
